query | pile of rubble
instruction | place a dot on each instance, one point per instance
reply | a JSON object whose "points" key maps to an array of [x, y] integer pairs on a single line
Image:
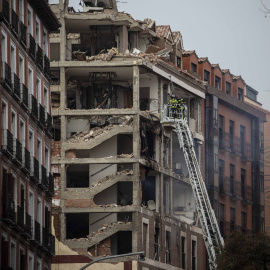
{"points": [[87, 136]]}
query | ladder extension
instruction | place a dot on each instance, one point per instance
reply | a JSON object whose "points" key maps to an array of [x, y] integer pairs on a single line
{"points": [[211, 233]]}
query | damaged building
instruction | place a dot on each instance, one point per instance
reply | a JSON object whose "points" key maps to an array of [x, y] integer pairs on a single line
{"points": [[121, 183]]}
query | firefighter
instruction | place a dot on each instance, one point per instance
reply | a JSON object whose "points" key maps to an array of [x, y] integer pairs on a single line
{"points": [[181, 107], [173, 102]]}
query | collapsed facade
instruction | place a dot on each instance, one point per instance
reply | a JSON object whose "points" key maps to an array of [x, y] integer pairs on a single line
{"points": [[121, 182]]}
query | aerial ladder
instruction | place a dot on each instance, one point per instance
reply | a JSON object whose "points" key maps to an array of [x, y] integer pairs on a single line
{"points": [[177, 114]]}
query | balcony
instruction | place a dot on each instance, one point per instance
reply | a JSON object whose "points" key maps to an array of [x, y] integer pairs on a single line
{"points": [[45, 239], [43, 178], [48, 124], [52, 245], [17, 152], [39, 56], [25, 160], [16, 87], [224, 185], [24, 96], [28, 226], [37, 236], [7, 142], [41, 115], [14, 22], [31, 46], [33, 107], [6, 76], [22, 34], [236, 146], [47, 70], [224, 141], [8, 210], [237, 190], [4, 15], [247, 194], [51, 184], [20, 218], [246, 151], [34, 169]]}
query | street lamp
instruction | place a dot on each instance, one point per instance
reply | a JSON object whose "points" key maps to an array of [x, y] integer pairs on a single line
{"points": [[141, 258]]}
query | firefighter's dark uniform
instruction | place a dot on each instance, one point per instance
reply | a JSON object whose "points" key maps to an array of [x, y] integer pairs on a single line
{"points": [[174, 104], [181, 107]]}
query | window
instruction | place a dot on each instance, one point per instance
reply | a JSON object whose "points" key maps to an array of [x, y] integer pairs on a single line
{"points": [[243, 222], [243, 177], [14, 124], [194, 254], [221, 175], [30, 81], [13, 58], [4, 115], [242, 139], [22, 259], [166, 196], [13, 254], [38, 89], [31, 143], [38, 31], [232, 219], [193, 67], [46, 107], [31, 261], [228, 88], [183, 252], [231, 131], [22, 195], [4, 46], [168, 248], [13, 4], [21, 69], [262, 182], [240, 94], [38, 264], [39, 151], [221, 218], [217, 82], [145, 238], [45, 42], [47, 159], [22, 132], [178, 61], [220, 129], [232, 179], [21, 10], [206, 76], [30, 20], [156, 244]]}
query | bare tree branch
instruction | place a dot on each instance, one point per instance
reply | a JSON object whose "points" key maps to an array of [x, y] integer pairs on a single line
{"points": [[266, 10]]}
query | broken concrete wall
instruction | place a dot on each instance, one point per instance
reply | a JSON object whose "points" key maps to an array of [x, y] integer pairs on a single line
{"points": [[77, 125], [152, 84], [97, 221]]}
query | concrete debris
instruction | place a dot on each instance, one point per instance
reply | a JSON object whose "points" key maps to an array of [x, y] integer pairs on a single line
{"points": [[102, 56], [87, 136]]}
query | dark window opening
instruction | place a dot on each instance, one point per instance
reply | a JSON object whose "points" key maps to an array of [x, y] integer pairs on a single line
{"points": [[240, 94], [232, 169], [194, 254], [121, 243], [232, 219], [217, 82], [166, 196], [243, 177], [144, 98], [149, 190], [156, 244], [183, 252], [124, 144], [179, 61], [221, 175], [221, 218], [78, 176], [231, 133], [220, 128], [77, 225], [228, 88], [124, 193], [193, 67], [243, 221], [242, 139], [206, 76], [168, 248], [147, 142]]}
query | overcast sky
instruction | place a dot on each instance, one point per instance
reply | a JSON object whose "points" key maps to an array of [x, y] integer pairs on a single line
{"points": [[233, 33]]}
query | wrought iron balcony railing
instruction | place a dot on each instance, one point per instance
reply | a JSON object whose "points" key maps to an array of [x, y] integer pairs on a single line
{"points": [[49, 125], [16, 87], [246, 151], [39, 56], [224, 184], [31, 46], [34, 171], [51, 184], [47, 69], [24, 96], [247, 192], [28, 226], [6, 76], [17, 151], [14, 22], [8, 210], [22, 33], [37, 237], [45, 239], [7, 142], [52, 245], [41, 115], [20, 218], [33, 106], [43, 178], [26, 160], [5, 11]]}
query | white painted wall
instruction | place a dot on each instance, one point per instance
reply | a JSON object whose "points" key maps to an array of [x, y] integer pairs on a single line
{"points": [[109, 218], [77, 125]]}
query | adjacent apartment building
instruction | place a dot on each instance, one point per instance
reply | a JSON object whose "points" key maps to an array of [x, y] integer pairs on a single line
{"points": [[234, 147], [26, 182], [121, 183]]}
